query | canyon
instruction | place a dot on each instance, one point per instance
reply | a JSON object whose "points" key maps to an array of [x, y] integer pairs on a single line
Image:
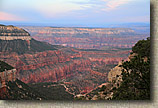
{"points": [[86, 70], [81, 68], [12, 88], [88, 38]]}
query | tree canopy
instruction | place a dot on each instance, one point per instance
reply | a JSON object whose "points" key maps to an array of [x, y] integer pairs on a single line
{"points": [[136, 74]]}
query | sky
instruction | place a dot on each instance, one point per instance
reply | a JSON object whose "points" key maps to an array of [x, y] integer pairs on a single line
{"points": [[74, 12]]}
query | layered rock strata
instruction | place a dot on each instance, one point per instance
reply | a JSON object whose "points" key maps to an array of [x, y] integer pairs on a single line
{"points": [[13, 33]]}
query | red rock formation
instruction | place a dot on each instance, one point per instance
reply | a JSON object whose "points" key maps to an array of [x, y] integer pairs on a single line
{"points": [[7, 75], [52, 66]]}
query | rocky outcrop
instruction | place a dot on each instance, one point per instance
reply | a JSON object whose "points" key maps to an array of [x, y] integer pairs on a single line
{"points": [[6, 76], [115, 73], [13, 33], [7, 73]]}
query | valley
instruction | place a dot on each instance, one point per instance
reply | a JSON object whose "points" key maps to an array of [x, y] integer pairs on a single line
{"points": [[78, 58]]}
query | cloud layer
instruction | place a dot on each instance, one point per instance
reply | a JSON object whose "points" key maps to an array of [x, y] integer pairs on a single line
{"points": [[75, 11], [114, 4], [9, 17]]}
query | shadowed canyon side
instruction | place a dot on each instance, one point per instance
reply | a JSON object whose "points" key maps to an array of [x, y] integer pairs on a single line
{"points": [[80, 70], [12, 88]]}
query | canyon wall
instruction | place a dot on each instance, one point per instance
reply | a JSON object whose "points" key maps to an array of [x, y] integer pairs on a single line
{"points": [[87, 38], [6, 76], [7, 73], [84, 69], [80, 69]]}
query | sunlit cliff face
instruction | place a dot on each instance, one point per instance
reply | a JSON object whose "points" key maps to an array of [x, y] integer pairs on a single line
{"points": [[13, 33]]}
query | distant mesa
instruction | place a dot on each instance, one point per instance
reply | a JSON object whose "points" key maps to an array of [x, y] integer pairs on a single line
{"points": [[15, 39], [13, 33]]}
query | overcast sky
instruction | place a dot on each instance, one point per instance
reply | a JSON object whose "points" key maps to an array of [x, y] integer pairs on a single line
{"points": [[75, 12]]}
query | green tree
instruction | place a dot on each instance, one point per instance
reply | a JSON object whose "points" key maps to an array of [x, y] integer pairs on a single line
{"points": [[136, 75]]}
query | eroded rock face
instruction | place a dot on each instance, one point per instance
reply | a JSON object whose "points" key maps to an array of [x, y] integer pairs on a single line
{"points": [[13, 33], [86, 70], [8, 75], [115, 73]]}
